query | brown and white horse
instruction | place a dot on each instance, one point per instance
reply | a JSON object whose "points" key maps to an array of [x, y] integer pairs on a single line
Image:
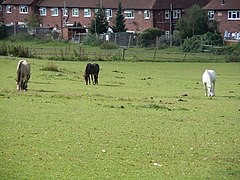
{"points": [[23, 75]]}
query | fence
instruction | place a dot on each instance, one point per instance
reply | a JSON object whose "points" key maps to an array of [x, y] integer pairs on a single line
{"points": [[121, 38], [13, 30], [123, 54]]}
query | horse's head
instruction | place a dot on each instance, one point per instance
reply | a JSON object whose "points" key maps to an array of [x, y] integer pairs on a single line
{"points": [[210, 91]]}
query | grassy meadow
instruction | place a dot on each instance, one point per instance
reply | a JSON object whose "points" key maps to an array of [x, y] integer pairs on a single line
{"points": [[145, 120]]}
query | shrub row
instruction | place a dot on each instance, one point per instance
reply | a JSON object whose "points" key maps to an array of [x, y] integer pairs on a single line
{"points": [[232, 53], [16, 51]]}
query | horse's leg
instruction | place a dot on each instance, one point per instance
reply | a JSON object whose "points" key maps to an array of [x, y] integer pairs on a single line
{"points": [[25, 86], [213, 88], [96, 78], [92, 78], [89, 79], [205, 89]]}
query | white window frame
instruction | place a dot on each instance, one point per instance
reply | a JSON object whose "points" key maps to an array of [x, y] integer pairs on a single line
{"points": [[75, 12], [167, 14], [87, 12], [129, 14], [167, 33], [176, 14], [210, 15], [9, 8], [54, 11], [43, 11], [108, 13], [146, 14], [65, 12], [235, 13], [23, 9]]}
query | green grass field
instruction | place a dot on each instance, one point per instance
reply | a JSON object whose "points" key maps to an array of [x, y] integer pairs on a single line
{"points": [[143, 121]]}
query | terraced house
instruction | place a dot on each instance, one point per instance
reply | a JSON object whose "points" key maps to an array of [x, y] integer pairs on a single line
{"points": [[227, 13], [139, 14]]}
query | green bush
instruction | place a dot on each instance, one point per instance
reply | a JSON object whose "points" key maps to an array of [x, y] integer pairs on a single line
{"points": [[214, 39], [15, 50], [3, 49], [148, 37], [196, 43], [232, 53], [3, 31], [91, 40], [192, 44], [107, 45], [50, 67], [21, 37]]}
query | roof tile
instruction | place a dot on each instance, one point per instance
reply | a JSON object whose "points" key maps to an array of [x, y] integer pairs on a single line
{"points": [[219, 5]]}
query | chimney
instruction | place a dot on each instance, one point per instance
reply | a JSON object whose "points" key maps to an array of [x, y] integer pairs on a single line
{"points": [[223, 2]]}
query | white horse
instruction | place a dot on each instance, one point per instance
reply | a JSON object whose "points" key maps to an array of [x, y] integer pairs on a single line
{"points": [[23, 75], [208, 80]]}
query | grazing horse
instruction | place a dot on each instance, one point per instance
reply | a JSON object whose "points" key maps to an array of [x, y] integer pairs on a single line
{"points": [[91, 70], [23, 75], [208, 80]]}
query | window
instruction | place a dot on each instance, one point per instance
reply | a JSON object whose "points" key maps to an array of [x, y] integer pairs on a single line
{"points": [[210, 15], [23, 9], [65, 11], [43, 11], [129, 14], [96, 10], [0, 7], [146, 14], [234, 15], [9, 9], [108, 13], [54, 11], [75, 12], [87, 12], [176, 14], [167, 14], [167, 33]]}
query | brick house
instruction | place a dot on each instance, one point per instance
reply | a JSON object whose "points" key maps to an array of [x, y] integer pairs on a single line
{"points": [[18, 11], [227, 13], [167, 12], [139, 14], [1, 11]]}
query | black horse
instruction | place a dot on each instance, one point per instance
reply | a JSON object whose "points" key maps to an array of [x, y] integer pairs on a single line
{"points": [[91, 70]]}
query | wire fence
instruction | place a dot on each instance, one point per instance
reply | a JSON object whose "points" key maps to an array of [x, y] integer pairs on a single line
{"points": [[124, 54]]}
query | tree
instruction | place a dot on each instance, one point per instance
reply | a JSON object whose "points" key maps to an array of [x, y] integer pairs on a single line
{"points": [[33, 20], [195, 22], [119, 21], [99, 24], [148, 37]]}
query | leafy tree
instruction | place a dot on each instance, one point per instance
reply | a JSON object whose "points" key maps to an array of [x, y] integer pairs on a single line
{"points": [[195, 22], [33, 20], [148, 37], [119, 21], [99, 23]]}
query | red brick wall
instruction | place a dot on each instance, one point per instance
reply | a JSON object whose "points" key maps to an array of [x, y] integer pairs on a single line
{"points": [[225, 24], [162, 23], [136, 24], [15, 16]]}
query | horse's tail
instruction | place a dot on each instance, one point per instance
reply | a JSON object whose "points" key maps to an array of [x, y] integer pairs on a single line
{"points": [[19, 71]]}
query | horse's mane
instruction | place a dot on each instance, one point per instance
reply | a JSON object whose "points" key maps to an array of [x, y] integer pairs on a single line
{"points": [[19, 70]]}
